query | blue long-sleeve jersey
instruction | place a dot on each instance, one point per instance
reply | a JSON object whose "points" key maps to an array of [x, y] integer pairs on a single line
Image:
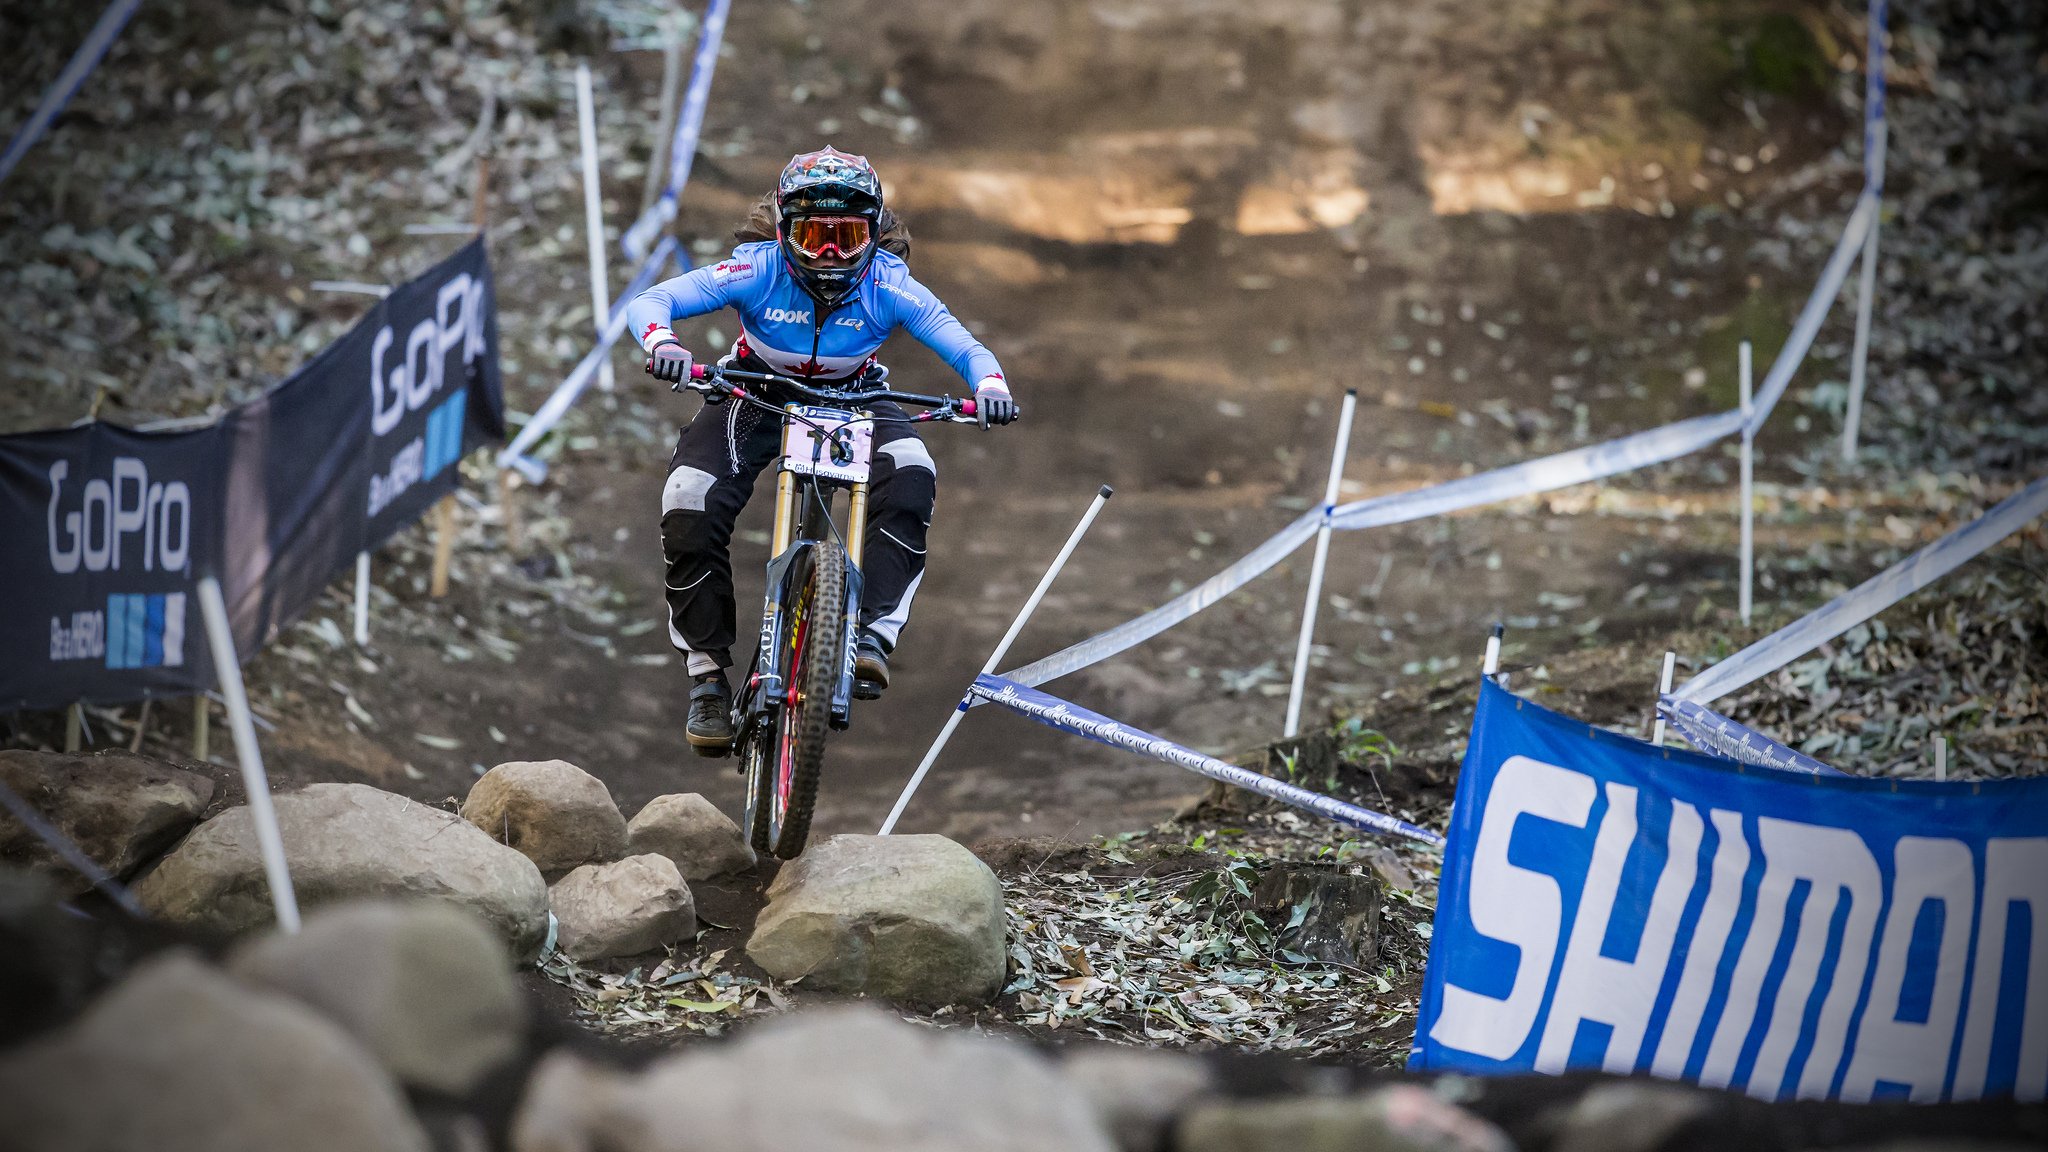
{"points": [[781, 324]]}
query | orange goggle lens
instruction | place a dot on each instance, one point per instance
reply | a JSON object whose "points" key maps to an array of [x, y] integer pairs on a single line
{"points": [[841, 236]]}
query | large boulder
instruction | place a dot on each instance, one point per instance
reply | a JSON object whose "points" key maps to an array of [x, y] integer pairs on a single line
{"points": [[1136, 1092], [178, 1058], [426, 987], [1402, 1118], [859, 1080], [343, 842], [120, 808], [556, 813], [1631, 1116], [690, 830], [622, 909], [912, 918]]}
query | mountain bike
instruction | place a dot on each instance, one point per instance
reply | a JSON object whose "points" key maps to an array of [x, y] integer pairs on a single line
{"points": [[800, 687]]}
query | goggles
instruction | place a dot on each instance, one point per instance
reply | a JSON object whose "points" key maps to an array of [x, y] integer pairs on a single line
{"points": [[842, 236]]}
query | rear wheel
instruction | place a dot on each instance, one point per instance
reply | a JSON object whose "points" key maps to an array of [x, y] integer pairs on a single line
{"points": [[786, 754]]}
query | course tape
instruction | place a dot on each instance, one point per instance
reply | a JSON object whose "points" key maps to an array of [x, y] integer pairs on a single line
{"points": [[570, 389], [1068, 717], [683, 149], [1546, 474], [1542, 475], [1723, 737], [68, 82], [1815, 312], [1873, 97], [1869, 598]]}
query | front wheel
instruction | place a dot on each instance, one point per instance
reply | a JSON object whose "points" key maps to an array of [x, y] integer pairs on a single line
{"points": [[785, 754]]}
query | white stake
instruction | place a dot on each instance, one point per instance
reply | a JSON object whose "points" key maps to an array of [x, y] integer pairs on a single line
{"points": [[254, 781], [1941, 757], [1315, 570], [1491, 666], [593, 217], [362, 599], [1663, 690], [931, 755], [1866, 291], [1745, 594]]}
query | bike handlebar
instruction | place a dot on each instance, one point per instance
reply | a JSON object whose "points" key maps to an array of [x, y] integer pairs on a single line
{"points": [[713, 375]]}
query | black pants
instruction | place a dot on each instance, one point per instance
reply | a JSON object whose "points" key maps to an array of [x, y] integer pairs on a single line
{"points": [[718, 457]]}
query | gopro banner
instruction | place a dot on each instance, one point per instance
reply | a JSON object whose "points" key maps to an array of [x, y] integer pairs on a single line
{"points": [[108, 530], [1609, 904]]}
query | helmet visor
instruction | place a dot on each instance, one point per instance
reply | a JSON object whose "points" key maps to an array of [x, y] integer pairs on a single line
{"points": [[827, 239]]}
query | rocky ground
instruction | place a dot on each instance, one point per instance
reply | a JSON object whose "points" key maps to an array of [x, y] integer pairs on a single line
{"points": [[1514, 229]]}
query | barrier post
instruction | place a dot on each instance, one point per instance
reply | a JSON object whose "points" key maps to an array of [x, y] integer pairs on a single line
{"points": [[593, 217], [508, 508], [74, 726], [1748, 558], [931, 755], [1663, 690], [1491, 665], [1941, 757], [254, 781], [671, 78], [362, 629], [202, 729], [141, 725], [1876, 130], [444, 544], [1315, 571]]}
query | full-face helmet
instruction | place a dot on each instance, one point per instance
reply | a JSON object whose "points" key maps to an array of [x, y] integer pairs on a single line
{"points": [[830, 208]]}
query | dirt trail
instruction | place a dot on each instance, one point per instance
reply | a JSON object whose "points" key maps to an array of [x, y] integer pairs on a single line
{"points": [[1186, 228]]}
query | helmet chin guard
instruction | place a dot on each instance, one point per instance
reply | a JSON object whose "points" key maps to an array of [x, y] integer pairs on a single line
{"points": [[828, 182]]}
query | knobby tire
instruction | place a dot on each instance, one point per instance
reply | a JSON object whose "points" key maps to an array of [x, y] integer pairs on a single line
{"points": [[812, 641]]}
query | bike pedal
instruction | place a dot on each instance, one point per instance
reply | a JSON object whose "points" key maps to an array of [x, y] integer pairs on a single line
{"points": [[868, 689]]}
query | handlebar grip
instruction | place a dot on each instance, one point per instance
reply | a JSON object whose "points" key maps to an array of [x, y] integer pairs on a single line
{"points": [[697, 372], [967, 406]]}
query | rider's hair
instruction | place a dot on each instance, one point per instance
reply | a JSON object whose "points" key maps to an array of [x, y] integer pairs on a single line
{"points": [[762, 219]]}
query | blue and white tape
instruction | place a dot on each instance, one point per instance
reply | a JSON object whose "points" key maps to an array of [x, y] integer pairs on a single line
{"points": [[1068, 717], [1789, 357], [514, 455], [1543, 475], [1712, 732], [683, 149], [1869, 598], [60, 92]]}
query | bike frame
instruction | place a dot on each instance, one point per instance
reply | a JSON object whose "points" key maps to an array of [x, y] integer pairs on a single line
{"points": [[803, 517]]}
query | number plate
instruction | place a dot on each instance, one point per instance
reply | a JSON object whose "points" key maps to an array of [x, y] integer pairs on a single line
{"points": [[809, 448]]}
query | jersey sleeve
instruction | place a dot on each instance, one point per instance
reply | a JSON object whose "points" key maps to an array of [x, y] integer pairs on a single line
{"points": [[701, 290], [921, 313]]}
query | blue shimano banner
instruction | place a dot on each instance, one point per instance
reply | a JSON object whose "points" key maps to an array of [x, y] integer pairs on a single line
{"points": [[1609, 904]]}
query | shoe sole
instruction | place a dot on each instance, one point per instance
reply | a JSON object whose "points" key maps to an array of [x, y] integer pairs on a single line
{"points": [[710, 747]]}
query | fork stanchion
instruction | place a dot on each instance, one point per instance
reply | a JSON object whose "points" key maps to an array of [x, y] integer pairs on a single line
{"points": [[1306, 641], [931, 755], [221, 641]]}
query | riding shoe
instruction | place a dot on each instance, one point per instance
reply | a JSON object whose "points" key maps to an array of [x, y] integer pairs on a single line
{"points": [[870, 666], [710, 729]]}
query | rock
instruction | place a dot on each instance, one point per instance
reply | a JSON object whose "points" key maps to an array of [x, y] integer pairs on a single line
{"points": [[556, 813], [859, 1080], [1403, 1118], [1136, 1091], [178, 1058], [426, 987], [691, 831], [1389, 867], [47, 958], [1629, 1117], [342, 842], [1340, 913], [912, 918], [622, 909], [120, 808]]}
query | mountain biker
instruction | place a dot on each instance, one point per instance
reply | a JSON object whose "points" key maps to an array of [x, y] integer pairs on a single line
{"points": [[815, 301]]}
